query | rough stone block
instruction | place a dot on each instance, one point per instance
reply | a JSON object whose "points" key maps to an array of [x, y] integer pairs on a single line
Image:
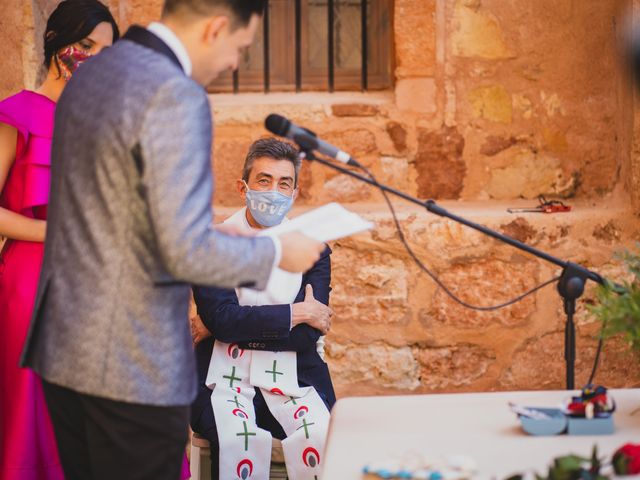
{"points": [[342, 188], [371, 286], [610, 232], [555, 140], [395, 172], [484, 283], [12, 25], [374, 366], [491, 103], [228, 160], [617, 364], [354, 110], [415, 54], [478, 33], [523, 105], [140, 12], [358, 142], [416, 95], [519, 229], [494, 144], [439, 162], [529, 175], [452, 366], [398, 134]]}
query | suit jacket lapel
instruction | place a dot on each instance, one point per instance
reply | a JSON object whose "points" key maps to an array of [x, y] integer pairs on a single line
{"points": [[144, 37]]}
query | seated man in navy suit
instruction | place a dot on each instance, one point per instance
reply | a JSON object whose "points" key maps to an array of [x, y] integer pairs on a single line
{"points": [[260, 354]]}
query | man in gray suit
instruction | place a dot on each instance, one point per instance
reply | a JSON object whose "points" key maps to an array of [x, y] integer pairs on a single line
{"points": [[130, 227]]}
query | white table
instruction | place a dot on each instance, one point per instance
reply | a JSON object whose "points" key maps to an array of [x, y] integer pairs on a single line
{"points": [[479, 425]]}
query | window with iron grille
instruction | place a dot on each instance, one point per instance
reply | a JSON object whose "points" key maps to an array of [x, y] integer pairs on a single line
{"points": [[321, 45]]}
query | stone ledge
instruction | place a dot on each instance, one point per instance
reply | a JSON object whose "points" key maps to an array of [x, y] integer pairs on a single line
{"points": [[478, 211], [589, 234]]}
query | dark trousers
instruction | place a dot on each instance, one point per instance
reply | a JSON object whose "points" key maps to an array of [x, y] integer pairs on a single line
{"points": [[101, 439]]}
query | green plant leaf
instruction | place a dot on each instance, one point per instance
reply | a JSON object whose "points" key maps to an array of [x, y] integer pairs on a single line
{"points": [[619, 308]]}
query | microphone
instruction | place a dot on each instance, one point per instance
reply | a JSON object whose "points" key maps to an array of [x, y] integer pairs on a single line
{"points": [[308, 140]]}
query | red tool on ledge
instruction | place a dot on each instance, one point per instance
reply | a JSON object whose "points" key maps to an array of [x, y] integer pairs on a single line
{"points": [[545, 206]]}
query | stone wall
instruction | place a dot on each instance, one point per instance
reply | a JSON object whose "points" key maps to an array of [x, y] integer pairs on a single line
{"points": [[493, 102]]}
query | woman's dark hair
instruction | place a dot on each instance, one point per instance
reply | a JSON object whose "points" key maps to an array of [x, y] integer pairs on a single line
{"points": [[70, 22]]}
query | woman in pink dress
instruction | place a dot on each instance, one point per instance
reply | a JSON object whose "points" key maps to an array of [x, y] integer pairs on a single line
{"points": [[76, 30]]}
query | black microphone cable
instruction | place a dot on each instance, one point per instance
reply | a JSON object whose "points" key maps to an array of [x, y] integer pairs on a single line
{"points": [[453, 296], [431, 274]]}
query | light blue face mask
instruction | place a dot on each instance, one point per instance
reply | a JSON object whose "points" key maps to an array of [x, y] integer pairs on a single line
{"points": [[268, 208]]}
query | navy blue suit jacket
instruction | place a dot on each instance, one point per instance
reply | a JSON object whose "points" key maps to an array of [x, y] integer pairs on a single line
{"points": [[265, 327]]}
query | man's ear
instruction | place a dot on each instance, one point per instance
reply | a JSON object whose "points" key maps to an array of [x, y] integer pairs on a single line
{"points": [[214, 26], [295, 193], [241, 188]]}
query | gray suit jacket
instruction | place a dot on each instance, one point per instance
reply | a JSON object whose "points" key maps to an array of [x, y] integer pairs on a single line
{"points": [[129, 227]]}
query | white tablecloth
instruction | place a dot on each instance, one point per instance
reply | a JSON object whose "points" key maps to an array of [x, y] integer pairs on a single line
{"points": [[479, 425]]}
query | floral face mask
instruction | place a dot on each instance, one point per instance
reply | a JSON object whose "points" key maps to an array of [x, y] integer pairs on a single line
{"points": [[70, 58]]}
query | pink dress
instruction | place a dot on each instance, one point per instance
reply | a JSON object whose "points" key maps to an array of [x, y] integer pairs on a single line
{"points": [[28, 448]]}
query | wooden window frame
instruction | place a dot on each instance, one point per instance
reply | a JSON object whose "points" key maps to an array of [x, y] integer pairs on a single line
{"points": [[282, 67]]}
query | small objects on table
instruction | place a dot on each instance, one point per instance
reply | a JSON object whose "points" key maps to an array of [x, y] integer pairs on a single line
{"points": [[592, 402], [416, 466], [589, 413]]}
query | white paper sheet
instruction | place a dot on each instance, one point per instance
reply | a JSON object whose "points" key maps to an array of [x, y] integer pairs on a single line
{"points": [[329, 222]]}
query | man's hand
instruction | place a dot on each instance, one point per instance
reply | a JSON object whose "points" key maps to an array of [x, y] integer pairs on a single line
{"points": [[312, 312], [198, 331], [299, 252]]}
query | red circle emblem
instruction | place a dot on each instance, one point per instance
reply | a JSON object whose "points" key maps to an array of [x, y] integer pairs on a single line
{"points": [[234, 351], [301, 412], [240, 413], [245, 469], [311, 457]]}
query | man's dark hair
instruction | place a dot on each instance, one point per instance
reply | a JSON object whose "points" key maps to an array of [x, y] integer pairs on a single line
{"points": [[241, 10], [274, 149], [70, 22]]}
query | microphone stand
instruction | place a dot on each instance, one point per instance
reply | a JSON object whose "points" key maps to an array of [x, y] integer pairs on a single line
{"points": [[570, 286]]}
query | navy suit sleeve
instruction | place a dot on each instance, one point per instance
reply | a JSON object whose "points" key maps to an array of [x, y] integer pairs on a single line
{"points": [[230, 322], [264, 327]]}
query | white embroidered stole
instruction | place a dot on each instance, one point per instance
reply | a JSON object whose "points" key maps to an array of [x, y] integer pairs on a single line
{"points": [[245, 449]]}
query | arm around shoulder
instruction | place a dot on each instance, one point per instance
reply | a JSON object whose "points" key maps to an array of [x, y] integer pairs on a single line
{"points": [[231, 322]]}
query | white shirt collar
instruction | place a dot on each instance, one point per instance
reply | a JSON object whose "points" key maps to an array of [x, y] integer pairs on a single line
{"points": [[173, 42]]}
